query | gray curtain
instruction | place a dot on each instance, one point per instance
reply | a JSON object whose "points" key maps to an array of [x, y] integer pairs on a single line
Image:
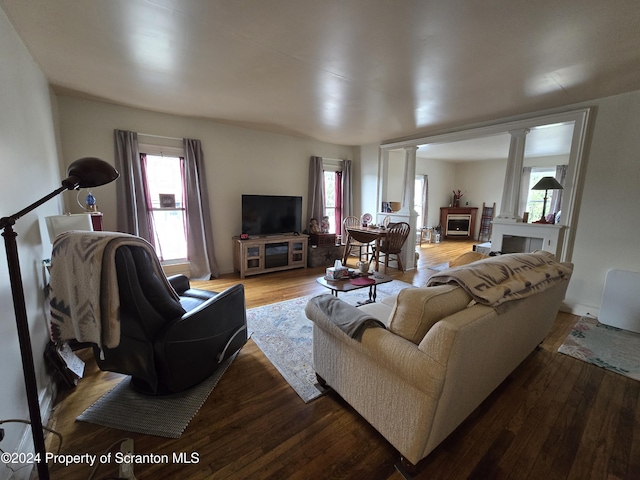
{"points": [[316, 201], [347, 190], [425, 201], [131, 209], [202, 259]]}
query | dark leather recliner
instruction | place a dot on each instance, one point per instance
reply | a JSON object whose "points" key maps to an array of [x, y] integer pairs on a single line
{"points": [[165, 345]]}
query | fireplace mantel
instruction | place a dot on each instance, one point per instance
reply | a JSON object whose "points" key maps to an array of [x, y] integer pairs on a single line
{"points": [[541, 236]]}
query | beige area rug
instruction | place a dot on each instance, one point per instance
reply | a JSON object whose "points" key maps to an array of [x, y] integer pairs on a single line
{"points": [[284, 334], [165, 416]]}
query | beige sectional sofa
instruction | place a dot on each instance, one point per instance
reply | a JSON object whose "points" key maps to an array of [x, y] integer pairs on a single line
{"points": [[443, 351]]}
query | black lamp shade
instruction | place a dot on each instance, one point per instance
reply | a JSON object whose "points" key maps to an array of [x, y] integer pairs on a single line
{"points": [[547, 183], [89, 172]]}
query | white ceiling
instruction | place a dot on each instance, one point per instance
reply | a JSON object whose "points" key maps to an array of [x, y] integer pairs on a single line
{"points": [[349, 72], [545, 141]]}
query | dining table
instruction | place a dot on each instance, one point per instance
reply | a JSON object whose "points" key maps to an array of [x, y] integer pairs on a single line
{"points": [[365, 235]]}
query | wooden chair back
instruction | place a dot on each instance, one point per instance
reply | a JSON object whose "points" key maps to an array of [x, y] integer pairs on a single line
{"points": [[395, 238]]}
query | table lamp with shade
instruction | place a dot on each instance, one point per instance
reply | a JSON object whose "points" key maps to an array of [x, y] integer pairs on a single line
{"points": [[83, 173], [546, 184]]}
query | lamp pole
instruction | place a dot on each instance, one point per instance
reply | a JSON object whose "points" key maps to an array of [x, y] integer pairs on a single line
{"points": [[26, 352], [22, 325], [85, 172]]}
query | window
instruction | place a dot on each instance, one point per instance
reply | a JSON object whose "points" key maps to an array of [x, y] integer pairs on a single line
{"points": [[535, 198], [165, 199], [417, 202], [333, 199]]}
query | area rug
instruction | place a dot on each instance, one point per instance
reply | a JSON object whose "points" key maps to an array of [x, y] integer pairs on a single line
{"points": [[165, 416], [607, 347], [439, 268], [284, 334]]}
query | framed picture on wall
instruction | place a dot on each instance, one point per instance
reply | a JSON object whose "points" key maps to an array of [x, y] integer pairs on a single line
{"points": [[167, 200]]}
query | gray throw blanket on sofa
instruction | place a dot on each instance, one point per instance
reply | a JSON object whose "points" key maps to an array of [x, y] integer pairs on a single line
{"points": [[349, 319]]}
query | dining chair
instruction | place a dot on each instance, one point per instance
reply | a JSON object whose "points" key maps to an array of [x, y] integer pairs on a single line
{"points": [[392, 243], [351, 242]]}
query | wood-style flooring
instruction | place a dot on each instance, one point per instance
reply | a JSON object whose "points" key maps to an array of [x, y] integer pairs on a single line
{"points": [[554, 417]]}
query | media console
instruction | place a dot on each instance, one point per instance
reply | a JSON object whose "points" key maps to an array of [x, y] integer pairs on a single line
{"points": [[269, 254]]}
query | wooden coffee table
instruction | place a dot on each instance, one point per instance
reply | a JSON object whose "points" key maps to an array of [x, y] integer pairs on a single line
{"points": [[345, 285]]}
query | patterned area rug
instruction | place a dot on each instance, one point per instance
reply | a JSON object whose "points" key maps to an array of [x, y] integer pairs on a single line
{"points": [[284, 334], [165, 416], [607, 347]]}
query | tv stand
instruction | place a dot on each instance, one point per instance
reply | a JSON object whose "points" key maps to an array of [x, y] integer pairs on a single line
{"points": [[269, 254]]}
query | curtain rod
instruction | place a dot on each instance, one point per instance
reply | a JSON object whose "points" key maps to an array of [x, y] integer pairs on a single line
{"points": [[158, 136]]}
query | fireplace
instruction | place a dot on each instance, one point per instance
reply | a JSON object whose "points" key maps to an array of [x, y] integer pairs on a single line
{"points": [[515, 237], [517, 244], [458, 222], [458, 225]]}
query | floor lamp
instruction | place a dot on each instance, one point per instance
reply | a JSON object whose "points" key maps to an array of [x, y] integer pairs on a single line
{"points": [[546, 184], [83, 173]]}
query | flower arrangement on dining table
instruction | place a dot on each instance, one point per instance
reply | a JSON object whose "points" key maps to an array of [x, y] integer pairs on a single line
{"points": [[457, 195]]}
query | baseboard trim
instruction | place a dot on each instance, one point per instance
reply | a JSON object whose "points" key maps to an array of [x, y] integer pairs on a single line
{"points": [[581, 310]]}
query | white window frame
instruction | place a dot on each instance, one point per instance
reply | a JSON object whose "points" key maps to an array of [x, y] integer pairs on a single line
{"points": [[169, 151]]}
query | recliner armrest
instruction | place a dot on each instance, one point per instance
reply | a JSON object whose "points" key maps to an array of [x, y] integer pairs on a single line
{"points": [[191, 347], [180, 283]]}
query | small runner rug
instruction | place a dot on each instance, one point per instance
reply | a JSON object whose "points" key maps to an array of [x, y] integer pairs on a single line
{"points": [[605, 346], [165, 416], [439, 268], [284, 334]]}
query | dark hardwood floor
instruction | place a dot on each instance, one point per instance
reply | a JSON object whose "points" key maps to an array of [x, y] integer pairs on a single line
{"points": [[553, 417]]}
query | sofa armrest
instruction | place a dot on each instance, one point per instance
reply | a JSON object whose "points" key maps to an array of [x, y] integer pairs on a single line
{"points": [[385, 349]]}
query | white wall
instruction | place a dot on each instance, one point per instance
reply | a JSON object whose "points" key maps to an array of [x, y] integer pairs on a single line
{"points": [[442, 181], [394, 183], [481, 181], [29, 163], [608, 228], [365, 184], [238, 160]]}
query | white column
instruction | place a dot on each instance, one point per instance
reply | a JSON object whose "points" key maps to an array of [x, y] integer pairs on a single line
{"points": [[513, 177], [409, 186], [408, 197]]}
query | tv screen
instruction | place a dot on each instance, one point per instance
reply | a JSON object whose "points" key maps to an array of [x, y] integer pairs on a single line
{"points": [[271, 214]]}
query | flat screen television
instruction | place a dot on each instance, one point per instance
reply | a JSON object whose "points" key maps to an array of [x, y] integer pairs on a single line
{"points": [[271, 214]]}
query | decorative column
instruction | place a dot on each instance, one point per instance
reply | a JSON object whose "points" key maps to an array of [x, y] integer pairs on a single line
{"points": [[408, 209], [409, 186], [513, 177]]}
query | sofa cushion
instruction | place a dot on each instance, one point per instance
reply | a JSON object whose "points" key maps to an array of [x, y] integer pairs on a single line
{"points": [[417, 309]]}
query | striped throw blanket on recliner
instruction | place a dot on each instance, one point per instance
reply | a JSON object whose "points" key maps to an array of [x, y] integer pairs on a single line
{"points": [[84, 287]]}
